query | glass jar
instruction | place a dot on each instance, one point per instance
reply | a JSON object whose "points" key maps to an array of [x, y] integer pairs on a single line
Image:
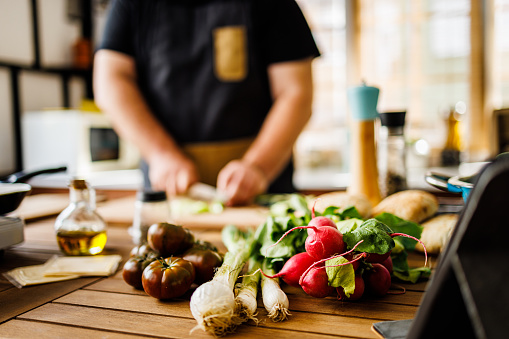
{"points": [[150, 207], [80, 230], [392, 153]]}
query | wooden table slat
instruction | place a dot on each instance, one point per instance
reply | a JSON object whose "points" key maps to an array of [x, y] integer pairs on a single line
{"points": [[153, 325], [20, 329], [302, 321], [15, 301], [116, 284]]}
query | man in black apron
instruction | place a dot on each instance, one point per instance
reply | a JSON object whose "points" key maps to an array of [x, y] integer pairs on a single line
{"points": [[209, 90]]}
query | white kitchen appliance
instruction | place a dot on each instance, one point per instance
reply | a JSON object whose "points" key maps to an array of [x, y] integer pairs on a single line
{"points": [[11, 231], [82, 140]]}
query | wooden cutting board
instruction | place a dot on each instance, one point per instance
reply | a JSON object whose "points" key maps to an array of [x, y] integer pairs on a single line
{"points": [[121, 211], [42, 205]]}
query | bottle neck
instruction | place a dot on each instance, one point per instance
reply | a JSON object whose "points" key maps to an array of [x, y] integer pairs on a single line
{"points": [[83, 196]]}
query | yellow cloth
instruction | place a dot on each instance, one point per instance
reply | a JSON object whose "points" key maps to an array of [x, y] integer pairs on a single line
{"points": [[211, 157]]}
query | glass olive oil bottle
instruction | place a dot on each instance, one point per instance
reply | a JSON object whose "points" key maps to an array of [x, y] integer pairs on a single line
{"points": [[80, 230]]}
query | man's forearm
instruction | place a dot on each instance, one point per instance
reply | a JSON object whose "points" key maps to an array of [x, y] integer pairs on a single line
{"points": [[293, 93], [117, 94]]}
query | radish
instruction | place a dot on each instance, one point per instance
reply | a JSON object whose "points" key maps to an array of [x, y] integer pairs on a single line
{"points": [[377, 280], [320, 221], [322, 242], [354, 260], [377, 258], [387, 263], [358, 292], [293, 268], [316, 283]]}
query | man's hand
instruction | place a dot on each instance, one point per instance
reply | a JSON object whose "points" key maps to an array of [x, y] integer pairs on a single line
{"points": [[172, 174], [241, 182]]}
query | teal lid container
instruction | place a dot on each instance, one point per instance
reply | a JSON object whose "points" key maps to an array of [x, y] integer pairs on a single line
{"points": [[362, 101]]}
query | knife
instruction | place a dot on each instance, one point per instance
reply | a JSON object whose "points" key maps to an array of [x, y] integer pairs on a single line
{"points": [[201, 191]]}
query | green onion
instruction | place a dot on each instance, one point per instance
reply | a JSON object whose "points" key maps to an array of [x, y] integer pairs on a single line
{"points": [[274, 299], [213, 303]]}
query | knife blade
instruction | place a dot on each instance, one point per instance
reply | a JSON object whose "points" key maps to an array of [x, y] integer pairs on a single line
{"points": [[202, 191]]}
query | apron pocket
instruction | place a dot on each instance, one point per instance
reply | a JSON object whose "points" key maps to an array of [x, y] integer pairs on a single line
{"points": [[230, 57]]}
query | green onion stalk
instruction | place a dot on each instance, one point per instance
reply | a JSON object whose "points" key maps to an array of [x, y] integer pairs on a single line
{"points": [[247, 290], [213, 303], [275, 300]]}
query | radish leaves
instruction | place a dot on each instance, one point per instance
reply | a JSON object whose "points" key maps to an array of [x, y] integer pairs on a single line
{"points": [[341, 276], [375, 236]]}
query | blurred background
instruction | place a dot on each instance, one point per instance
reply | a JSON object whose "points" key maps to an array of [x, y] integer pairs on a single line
{"points": [[440, 61]]}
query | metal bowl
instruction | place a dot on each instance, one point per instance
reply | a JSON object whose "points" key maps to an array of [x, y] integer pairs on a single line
{"points": [[455, 184]]}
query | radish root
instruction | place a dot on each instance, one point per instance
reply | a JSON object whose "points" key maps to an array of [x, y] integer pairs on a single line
{"points": [[402, 289], [414, 238]]}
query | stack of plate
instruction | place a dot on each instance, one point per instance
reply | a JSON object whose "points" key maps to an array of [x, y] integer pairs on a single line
{"points": [[11, 231]]}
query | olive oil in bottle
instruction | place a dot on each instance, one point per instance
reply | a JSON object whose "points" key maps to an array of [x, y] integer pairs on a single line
{"points": [[80, 230], [81, 243]]}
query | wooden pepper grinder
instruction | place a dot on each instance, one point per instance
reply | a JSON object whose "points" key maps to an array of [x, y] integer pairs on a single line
{"points": [[363, 166]]}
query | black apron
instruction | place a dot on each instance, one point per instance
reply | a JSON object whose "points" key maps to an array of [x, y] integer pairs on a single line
{"points": [[201, 69]]}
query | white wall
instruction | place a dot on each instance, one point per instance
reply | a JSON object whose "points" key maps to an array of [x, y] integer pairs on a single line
{"points": [[16, 32], [7, 160], [57, 33]]}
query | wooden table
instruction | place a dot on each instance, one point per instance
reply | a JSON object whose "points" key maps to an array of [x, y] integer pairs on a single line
{"points": [[109, 308]]}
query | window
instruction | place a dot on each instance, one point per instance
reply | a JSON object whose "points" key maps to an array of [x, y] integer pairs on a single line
{"points": [[323, 146], [426, 56]]}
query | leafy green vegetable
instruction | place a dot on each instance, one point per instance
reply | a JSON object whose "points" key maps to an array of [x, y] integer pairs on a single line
{"points": [[399, 225], [346, 226], [234, 238], [186, 206], [334, 213], [291, 210], [341, 276], [272, 230], [402, 271], [295, 204], [375, 237]]}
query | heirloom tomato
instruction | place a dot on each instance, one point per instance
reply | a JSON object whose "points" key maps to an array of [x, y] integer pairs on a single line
{"points": [[168, 278]]}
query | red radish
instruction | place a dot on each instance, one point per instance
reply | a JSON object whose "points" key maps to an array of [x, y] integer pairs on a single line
{"points": [[357, 293], [316, 283], [377, 258], [320, 221], [378, 280], [293, 268], [320, 262], [354, 260], [323, 242], [387, 263]]}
